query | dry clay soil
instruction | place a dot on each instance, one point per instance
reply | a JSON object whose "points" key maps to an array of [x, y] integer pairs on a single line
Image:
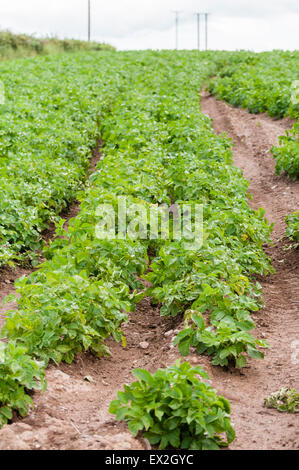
{"points": [[73, 413]]}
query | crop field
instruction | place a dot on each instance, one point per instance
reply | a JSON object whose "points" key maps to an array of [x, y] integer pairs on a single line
{"points": [[207, 326]]}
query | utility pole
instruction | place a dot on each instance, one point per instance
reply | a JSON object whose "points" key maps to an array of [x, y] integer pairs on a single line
{"points": [[206, 22], [198, 31], [206, 15], [176, 12], [88, 20]]}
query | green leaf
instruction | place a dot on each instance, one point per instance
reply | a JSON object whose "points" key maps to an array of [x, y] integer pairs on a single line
{"points": [[184, 347], [143, 375], [241, 361], [174, 438], [6, 412], [209, 444], [114, 405], [198, 320], [135, 427], [254, 353]]}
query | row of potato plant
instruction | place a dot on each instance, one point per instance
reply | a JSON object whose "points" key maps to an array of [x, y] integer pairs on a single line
{"points": [[265, 82]]}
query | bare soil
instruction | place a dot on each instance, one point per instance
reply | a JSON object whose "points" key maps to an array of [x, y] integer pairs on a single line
{"points": [[73, 413]]}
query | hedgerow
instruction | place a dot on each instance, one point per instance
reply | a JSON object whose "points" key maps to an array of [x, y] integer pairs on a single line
{"points": [[21, 45]]}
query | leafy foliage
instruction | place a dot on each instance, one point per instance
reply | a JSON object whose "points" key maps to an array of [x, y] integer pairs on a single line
{"points": [[287, 155], [292, 221], [259, 82], [18, 372], [285, 400], [265, 83], [175, 409], [49, 124], [226, 342]]}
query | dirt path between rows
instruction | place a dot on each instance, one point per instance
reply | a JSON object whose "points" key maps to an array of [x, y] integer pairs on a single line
{"points": [[73, 413]]}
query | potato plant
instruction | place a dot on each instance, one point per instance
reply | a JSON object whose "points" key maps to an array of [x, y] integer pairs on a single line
{"points": [[175, 408]]}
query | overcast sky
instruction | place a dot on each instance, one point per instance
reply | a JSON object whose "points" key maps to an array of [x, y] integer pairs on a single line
{"points": [[142, 24]]}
